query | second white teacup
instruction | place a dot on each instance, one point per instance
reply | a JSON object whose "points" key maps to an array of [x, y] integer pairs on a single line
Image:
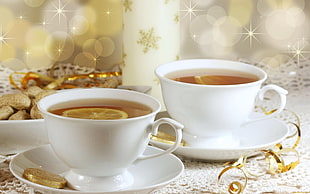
{"points": [[99, 151], [212, 113]]}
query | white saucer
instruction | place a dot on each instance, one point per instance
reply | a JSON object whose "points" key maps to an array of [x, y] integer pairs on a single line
{"points": [[149, 175], [255, 136]]}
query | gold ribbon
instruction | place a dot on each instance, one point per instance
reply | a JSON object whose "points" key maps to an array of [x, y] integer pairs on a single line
{"points": [[47, 82], [276, 160], [234, 187]]}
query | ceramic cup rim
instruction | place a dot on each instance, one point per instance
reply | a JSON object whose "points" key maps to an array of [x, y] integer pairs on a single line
{"points": [[43, 107], [201, 63]]}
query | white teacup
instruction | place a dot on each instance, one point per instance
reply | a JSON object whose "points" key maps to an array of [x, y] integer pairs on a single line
{"points": [[212, 113], [99, 152]]}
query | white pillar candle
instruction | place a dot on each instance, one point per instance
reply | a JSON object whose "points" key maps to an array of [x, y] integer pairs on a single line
{"points": [[151, 37]]}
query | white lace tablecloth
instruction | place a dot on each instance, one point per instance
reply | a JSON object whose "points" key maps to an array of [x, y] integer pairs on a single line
{"points": [[201, 176]]}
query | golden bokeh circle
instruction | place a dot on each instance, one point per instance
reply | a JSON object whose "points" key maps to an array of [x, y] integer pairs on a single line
{"points": [[37, 59], [59, 46], [277, 27], [36, 36], [201, 30], [7, 51], [79, 25], [34, 3], [214, 13], [90, 47], [227, 31], [6, 16], [85, 59], [16, 31], [108, 46]]}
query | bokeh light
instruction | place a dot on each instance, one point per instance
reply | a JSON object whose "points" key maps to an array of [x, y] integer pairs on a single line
{"points": [[37, 59], [16, 30], [107, 45], [202, 30], [241, 10], [108, 13], [214, 13], [68, 31], [295, 17], [7, 51], [265, 7], [35, 37], [34, 3], [59, 46], [6, 16], [227, 31], [85, 59], [277, 25], [203, 3], [79, 25]]}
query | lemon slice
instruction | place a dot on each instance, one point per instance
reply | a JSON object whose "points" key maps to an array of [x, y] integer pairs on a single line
{"points": [[96, 113], [208, 80], [199, 79]]}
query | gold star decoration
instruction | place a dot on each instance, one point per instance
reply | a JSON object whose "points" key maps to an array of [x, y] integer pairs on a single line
{"points": [[107, 13], [3, 37], [176, 18], [59, 10], [190, 10], [44, 22], [59, 49], [127, 5], [124, 57], [148, 40], [251, 34], [299, 49]]}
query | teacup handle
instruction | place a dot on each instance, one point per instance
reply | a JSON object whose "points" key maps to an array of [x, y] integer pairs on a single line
{"points": [[178, 136], [282, 93]]}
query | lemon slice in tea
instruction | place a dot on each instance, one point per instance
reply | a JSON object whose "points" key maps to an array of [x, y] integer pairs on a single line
{"points": [[96, 113], [199, 80], [208, 80]]}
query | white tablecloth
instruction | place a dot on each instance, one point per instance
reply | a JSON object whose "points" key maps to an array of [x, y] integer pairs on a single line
{"points": [[201, 176]]}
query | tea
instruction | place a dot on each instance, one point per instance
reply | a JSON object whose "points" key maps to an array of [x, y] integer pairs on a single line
{"points": [[84, 108], [213, 77]]}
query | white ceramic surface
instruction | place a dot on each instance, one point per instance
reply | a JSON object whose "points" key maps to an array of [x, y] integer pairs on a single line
{"points": [[148, 175], [213, 112], [20, 135], [100, 151], [255, 136]]}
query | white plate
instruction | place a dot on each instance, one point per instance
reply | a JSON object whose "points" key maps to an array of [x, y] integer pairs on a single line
{"points": [[256, 136], [19, 135], [149, 174]]}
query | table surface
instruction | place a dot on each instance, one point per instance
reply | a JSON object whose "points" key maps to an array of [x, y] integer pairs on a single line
{"points": [[201, 176]]}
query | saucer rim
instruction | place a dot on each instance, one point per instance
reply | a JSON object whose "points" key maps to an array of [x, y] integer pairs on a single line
{"points": [[149, 187], [181, 149]]}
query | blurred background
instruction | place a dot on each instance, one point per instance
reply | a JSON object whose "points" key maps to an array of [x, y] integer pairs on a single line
{"points": [[275, 34], [269, 31]]}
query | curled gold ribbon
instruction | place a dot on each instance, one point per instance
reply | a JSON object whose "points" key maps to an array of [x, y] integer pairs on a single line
{"points": [[276, 160], [234, 187], [297, 133], [287, 167]]}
